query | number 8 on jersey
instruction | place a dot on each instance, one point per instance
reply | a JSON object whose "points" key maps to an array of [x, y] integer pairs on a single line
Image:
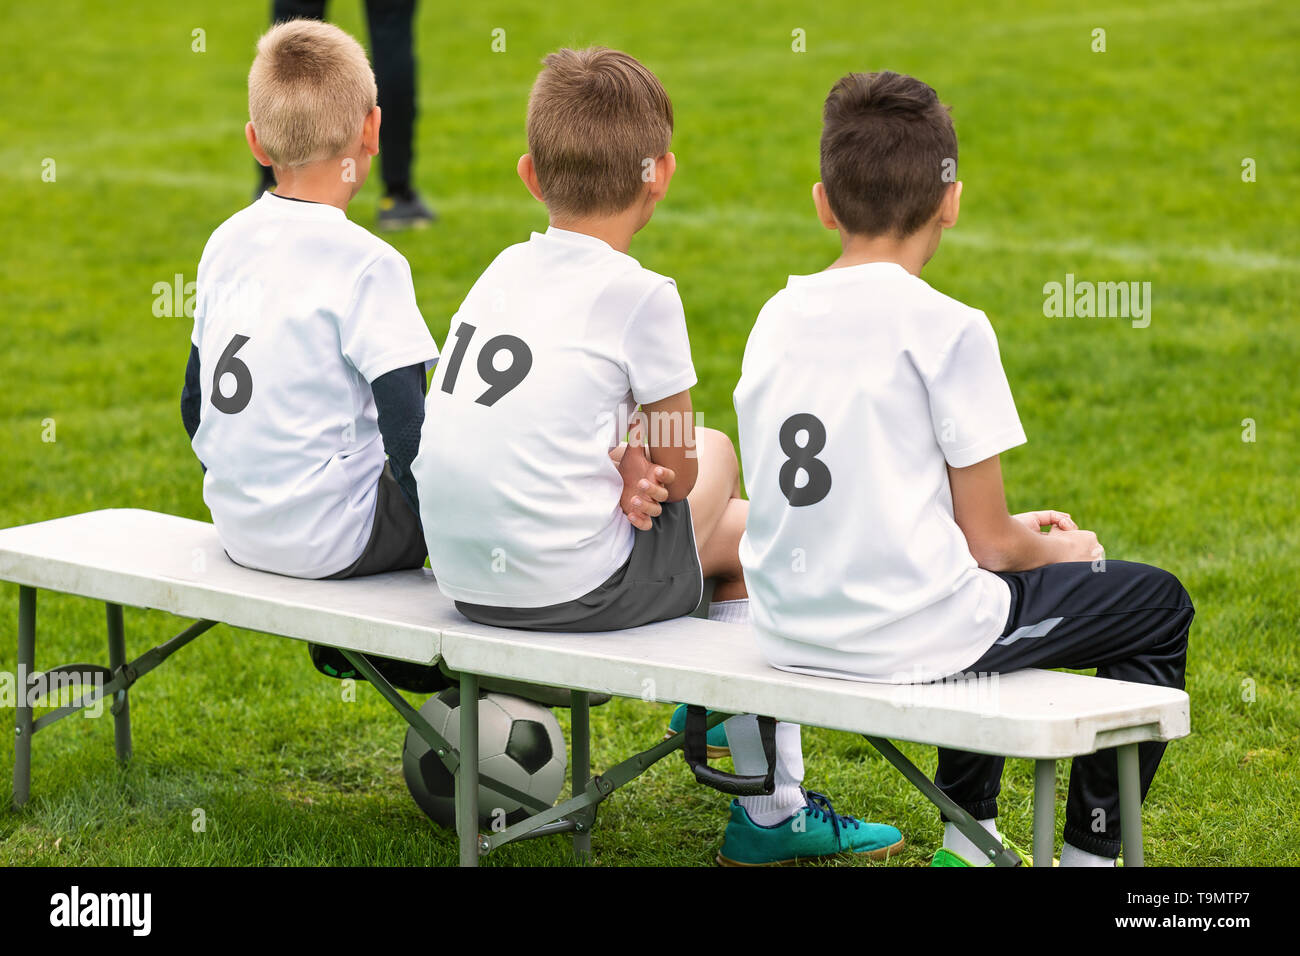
{"points": [[804, 458]]}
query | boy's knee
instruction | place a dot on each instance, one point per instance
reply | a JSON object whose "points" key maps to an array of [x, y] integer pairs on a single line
{"points": [[716, 448], [1164, 590], [1169, 590]]}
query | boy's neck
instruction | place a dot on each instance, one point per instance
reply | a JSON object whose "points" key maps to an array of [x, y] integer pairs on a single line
{"points": [[316, 182], [912, 252], [616, 230]]}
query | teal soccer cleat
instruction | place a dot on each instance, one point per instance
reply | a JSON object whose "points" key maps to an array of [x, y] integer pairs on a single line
{"points": [[815, 830], [717, 739]]}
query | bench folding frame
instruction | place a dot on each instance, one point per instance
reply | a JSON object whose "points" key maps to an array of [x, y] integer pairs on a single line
{"points": [[576, 815]]}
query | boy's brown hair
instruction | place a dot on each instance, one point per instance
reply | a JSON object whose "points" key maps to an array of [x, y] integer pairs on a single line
{"points": [[886, 145], [594, 117], [309, 91]]}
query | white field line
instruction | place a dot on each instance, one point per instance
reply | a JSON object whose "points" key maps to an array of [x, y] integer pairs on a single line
{"points": [[886, 42], [748, 218], [1131, 13]]}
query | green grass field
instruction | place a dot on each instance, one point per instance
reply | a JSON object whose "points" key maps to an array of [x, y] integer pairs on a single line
{"points": [[1123, 165]]}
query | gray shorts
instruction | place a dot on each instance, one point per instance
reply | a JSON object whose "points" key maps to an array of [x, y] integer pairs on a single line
{"points": [[396, 540], [661, 579]]}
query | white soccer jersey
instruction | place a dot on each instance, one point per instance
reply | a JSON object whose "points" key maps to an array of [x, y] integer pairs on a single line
{"points": [[552, 345], [297, 310], [859, 385]]}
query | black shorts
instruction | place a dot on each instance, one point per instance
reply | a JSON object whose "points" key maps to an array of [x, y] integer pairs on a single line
{"points": [[660, 580], [396, 540]]}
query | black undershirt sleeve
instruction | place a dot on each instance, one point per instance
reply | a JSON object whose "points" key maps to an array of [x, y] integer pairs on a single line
{"points": [[399, 401], [191, 396]]}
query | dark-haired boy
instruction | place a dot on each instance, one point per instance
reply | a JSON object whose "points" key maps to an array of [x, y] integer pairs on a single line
{"points": [[872, 410], [554, 346]]}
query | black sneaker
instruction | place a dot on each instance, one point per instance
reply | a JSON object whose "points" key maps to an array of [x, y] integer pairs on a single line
{"points": [[404, 212], [404, 675]]}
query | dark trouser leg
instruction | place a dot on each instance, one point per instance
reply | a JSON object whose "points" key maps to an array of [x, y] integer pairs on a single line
{"points": [[268, 177], [392, 43], [282, 10], [1129, 621]]}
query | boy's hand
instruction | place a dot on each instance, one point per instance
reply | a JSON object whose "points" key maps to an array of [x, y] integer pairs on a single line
{"points": [[645, 485], [1070, 542], [1037, 520], [1077, 545]]}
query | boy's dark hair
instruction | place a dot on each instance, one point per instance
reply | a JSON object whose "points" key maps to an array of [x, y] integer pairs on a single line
{"points": [[885, 140], [594, 117]]}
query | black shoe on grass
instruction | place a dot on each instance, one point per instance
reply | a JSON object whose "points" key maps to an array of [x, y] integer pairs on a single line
{"points": [[404, 675], [406, 211]]}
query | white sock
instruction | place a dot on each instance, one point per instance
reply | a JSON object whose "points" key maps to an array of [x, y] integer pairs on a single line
{"points": [[747, 755], [957, 842], [730, 612], [1073, 856]]}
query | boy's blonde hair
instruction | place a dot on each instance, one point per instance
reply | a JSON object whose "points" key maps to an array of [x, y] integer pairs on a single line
{"points": [[309, 91], [594, 117]]}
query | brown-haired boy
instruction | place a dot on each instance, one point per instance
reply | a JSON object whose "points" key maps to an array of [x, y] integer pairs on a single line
{"points": [[872, 410], [554, 346]]}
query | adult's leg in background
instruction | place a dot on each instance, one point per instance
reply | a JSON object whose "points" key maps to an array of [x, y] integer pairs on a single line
{"points": [[392, 46], [282, 10]]}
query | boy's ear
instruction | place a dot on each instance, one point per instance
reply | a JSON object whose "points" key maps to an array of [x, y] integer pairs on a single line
{"points": [[664, 167], [950, 206], [259, 153], [528, 173], [823, 206], [370, 132]]}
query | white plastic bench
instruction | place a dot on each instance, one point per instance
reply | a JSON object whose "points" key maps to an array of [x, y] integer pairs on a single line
{"points": [[144, 559]]}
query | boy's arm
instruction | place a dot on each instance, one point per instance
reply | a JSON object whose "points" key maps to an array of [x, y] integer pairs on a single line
{"points": [[399, 402], [192, 396], [671, 441], [1000, 541], [657, 353], [645, 484]]}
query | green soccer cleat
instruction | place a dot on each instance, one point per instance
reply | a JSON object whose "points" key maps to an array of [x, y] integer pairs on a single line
{"points": [[815, 830], [945, 857], [717, 739]]}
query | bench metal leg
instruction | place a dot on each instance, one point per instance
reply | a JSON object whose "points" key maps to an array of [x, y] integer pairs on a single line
{"points": [[1044, 812], [581, 808], [23, 712], [467, 772], [121, 705], [968, 825], [581, 732], [1130, 804]]}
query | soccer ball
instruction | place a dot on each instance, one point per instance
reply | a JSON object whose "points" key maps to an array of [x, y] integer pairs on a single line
{"points": [[519, 743]]}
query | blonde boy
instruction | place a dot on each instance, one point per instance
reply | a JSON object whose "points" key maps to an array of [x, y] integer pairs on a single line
{"points": [[304, 392]]}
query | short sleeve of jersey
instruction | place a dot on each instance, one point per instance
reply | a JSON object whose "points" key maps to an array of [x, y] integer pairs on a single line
{"points": [[971, 407], [383, 329], [656, 349]]}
